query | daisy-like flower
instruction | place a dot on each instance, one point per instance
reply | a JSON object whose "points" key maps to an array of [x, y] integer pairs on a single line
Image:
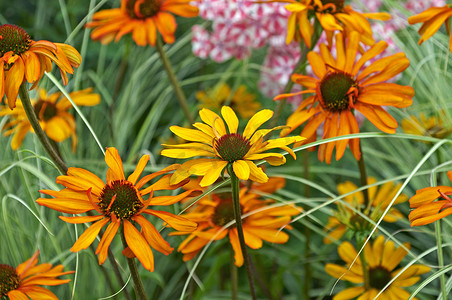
{"points": [[119, 202], [426, 209], [259, 223], [379, 199], [424, 126], [24, 281], [142, 18], [227, 146], [22, 59], [333, 15], [52, 113], [382, 258], [432, 20], [342, 85], [241, 101]]}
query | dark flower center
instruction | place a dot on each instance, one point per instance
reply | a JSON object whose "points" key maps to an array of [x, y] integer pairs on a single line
{"points": [[13, 38], [125, 205], [45, 110], [224, 213], [9, 280], [338, 4], [379, 277], [232, 146], [335, 91], [142, 9]]}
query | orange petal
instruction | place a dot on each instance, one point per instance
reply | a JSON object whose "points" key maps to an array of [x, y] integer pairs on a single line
{"points": [[152, 236], [139, 246], [90, 234], [14, 78], [105, 242], [114, 161], [138, 170], [177, 222]]}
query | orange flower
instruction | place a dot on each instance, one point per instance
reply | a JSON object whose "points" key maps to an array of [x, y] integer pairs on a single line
{"points": [[24, 281], [22, 59], [433, 18], [332, 15], [52, 113], [119, 202], [259, 223], [141, 17], [426, 209], [342, 85]]}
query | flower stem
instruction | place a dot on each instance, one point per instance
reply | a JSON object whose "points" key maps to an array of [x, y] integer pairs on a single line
{"points": [[360, 244], [363, 177], [139, 288], [172, 77], [31, 115], [238, 221], [439, 244], [307, 231]]}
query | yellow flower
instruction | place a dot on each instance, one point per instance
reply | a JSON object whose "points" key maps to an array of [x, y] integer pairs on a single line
{"points": [[259, 224], [432, 126], [382, 258], [342, 85], [24, 281], [240, 101], [52, 113], [142, 18], [226, 146], [379, 197], [432, 18], [22, 59], [119, 202], [332, 15], [426, 209]]}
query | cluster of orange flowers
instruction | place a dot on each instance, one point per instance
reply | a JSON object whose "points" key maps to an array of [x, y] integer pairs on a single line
{"points": [[343, 83]]}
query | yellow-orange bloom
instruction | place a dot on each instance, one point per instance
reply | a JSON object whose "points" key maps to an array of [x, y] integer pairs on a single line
{"points": [[142, 18], [342, 85], [240, 101], [432, 126], [52, 113], [226, 146], [426, 209], [119, 202], [24, 281], [382, 258], [260, 223], [379, 200], [22, 59], [433, 18], [332, 15]]}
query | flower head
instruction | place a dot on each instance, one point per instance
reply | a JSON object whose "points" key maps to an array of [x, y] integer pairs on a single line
{"points": [[382, 258], [22, 59], [52, 113], [424, 126], [118, 202], [142, 18], [332, 15], [261, 222], [227, 146], [432, 19], [342, 85], [24, 281], [379, 199], [240, 100], [426, 209]]}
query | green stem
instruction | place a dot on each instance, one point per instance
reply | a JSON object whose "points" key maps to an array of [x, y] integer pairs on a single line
{"points": [[114, 264], [299, 67], [360, 244], [173, 79], [439, 244], [139, 288], [31, 115], [307, 231], [238, 221], [363, 178]]}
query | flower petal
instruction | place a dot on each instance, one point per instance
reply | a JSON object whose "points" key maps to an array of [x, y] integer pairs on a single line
{"points": [[139, 246]]}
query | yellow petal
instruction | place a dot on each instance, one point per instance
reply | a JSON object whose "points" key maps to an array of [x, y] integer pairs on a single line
{"points": [[256, 121], [231, 118], [241, 169]]}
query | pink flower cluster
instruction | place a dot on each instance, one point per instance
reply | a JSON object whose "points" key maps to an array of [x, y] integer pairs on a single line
{"points": [[238, 27]]}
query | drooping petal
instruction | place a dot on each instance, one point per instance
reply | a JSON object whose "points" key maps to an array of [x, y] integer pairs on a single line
{"points": [[90, 234], [139, 246]]}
